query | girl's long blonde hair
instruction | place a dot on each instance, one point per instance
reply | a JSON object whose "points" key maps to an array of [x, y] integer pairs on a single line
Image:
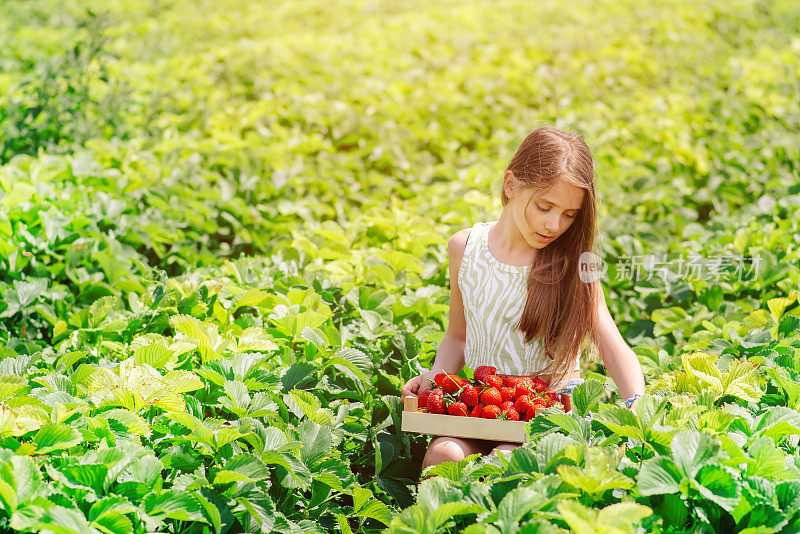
{"points": [[559, 310]]}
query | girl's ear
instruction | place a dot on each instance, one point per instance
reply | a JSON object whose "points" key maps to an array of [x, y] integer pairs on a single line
{"points": [[509, 183]]}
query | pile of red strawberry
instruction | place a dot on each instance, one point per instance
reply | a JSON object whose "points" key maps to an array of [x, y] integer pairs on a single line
{"points": [[490, 395]]}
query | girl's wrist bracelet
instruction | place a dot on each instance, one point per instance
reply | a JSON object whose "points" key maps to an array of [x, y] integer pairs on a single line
{"points": [[629, 402]]}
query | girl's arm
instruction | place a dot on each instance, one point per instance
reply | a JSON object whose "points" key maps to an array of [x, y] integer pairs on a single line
{"points": [[621, 362], [450, 354]]}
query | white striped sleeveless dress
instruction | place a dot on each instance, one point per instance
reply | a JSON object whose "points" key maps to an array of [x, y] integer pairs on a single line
{"points": [[494, 296]]}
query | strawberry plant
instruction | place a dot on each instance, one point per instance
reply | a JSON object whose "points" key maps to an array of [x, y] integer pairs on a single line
{"points": [[223, 238]]}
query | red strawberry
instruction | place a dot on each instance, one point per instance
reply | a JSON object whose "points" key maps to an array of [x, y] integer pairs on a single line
{"points": [[512, 414], [448, 382], [523, 404], [537, 401], [422, 400], [458, 408], [490, 396], [524, 388], [436, 401], [477, 411], [530, 414], [539, 384], [525, 380], [470, 395], [504, 378], [483, 371], [494, 381], [452, 383], [566, 401], [511, 381], [505, 406], [491, 412], [507, 394]]}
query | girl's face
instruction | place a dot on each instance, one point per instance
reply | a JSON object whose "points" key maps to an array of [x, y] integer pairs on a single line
{"points": [[543, 215]]}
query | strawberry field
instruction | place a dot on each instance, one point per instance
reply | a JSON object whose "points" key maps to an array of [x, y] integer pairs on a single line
{"points": [[223, 237]]}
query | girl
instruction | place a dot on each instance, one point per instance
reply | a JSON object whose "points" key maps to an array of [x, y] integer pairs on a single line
{"points": [[520, 302]]}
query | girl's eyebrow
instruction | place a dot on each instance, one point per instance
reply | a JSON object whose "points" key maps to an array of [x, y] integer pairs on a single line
{"points": [[556, 205]]}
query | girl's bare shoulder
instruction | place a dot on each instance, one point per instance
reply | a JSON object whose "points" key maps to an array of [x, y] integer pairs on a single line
{"points": [[458, 243]]}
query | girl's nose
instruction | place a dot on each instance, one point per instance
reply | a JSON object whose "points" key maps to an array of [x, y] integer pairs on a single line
{"points": [[551, 225]]}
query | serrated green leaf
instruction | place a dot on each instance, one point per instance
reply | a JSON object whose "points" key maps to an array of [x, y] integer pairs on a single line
{"points": [[585, 396], [174, 504], [691, 450], [659, 475], [242, 467], [317, 441], [617, 518], [719, 485], [55, 436], [155, 355]]}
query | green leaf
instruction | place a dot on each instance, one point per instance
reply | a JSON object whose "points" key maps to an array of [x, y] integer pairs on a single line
{"points": [[789, 387], [12, 385], [113, 523], [56, 436], [619, 518], [107, 505], [27, 479], [174, 504], [307, 403], [99, 310], [452, 470], [741, 380], [777, 306], [435, 492], [718, 484], [516, 504], [243, 467], [183, 381], [357, 358], [317, 442], [659, 475], [449, 510], [576, 426], [621, 421], [238, 393], [251, 297], [585, 396], [377, 510], [691, 450], [60, 520], [294, 467], [154, 354], [770, 462], [84, 476], [623, 516], [315, 336], [135, 423], [597, 477], [194, 329], [549, 450]]}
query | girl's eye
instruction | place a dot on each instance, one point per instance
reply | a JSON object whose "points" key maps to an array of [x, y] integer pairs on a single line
{"points": [[545, 210]]}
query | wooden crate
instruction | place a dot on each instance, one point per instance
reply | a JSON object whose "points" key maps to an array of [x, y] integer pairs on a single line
{"points": [[460, 427]]}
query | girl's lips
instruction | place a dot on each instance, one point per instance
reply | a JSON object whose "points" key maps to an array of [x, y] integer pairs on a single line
{"points": [[543, 238]]}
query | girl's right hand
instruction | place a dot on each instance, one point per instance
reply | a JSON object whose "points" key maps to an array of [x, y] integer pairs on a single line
{"points": [[418, 384]]}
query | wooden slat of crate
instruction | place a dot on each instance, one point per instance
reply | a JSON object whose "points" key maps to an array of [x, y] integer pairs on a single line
{"points": [[460, 427]]}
